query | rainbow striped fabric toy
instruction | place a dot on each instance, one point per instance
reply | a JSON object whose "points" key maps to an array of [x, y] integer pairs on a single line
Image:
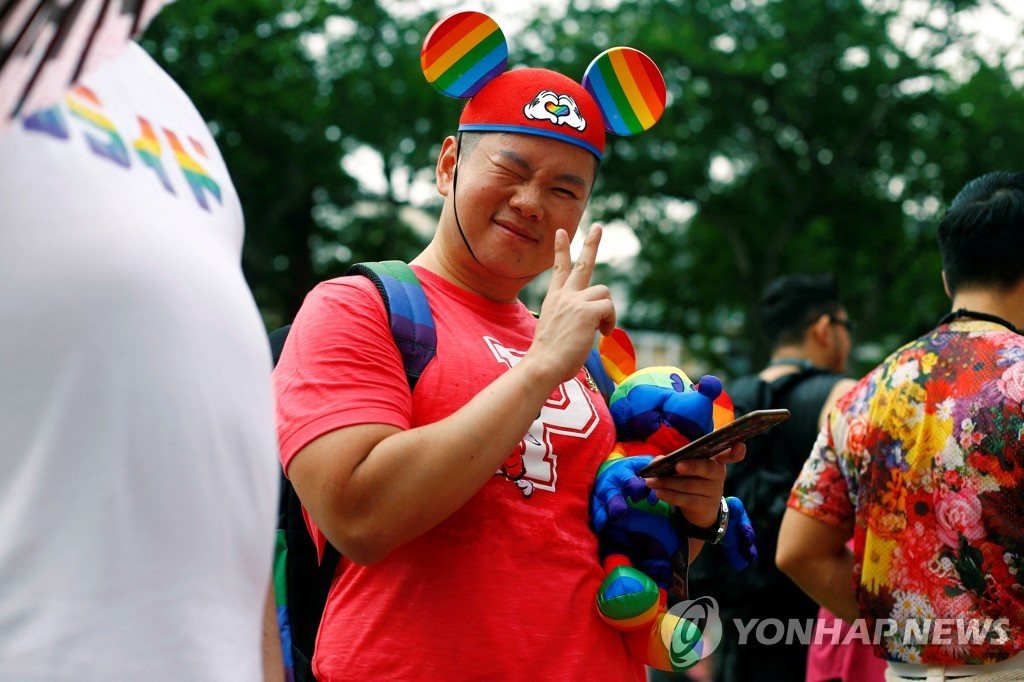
{"points": [[656, 410]]}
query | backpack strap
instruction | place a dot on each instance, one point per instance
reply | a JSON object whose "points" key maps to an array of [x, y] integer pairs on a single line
{"points": [[750, 393], [804, 397], [412, 324]]}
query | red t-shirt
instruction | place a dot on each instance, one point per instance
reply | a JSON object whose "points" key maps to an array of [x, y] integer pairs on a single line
{"points": [[502, 589]]}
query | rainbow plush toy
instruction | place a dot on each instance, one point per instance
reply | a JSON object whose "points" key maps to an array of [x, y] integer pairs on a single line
{"points": [[656, 410]]}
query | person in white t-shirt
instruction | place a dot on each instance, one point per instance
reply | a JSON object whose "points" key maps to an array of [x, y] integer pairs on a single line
{"points": [[139, 485]]}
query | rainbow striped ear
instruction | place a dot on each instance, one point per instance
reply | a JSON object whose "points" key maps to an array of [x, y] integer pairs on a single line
{"points": [[628, 88], [617, 355], [722, 411], [462, 53]]}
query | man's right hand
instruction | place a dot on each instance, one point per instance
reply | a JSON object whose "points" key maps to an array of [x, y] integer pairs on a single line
{"points": [[572, 312]]}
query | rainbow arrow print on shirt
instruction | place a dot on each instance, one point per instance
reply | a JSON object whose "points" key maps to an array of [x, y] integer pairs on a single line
{"points": [[106, 142]]}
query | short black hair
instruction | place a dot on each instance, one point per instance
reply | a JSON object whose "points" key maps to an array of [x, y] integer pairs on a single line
{"points": [[792, 302], [468, 142], [981, 236]]}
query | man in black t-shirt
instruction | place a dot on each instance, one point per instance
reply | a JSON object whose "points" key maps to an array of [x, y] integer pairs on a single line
{"points": [[811, 337]]}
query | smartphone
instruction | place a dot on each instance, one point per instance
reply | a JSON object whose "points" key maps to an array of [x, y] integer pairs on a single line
{"points": [[718, 440]]}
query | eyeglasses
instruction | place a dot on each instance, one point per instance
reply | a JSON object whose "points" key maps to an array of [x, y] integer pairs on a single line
{"points": [[850, 325]]}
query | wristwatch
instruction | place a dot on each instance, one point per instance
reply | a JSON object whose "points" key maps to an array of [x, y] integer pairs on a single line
{"points": [[712, 535]]}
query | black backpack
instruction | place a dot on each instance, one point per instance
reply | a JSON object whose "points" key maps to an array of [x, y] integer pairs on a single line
{"points": [[765, 476], [763, 481]]}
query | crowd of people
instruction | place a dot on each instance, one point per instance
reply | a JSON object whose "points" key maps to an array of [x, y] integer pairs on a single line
{"points": [[145, 432]]}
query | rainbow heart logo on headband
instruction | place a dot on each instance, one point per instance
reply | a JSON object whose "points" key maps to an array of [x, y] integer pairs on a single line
{"points": [[628, 88], [463, 53]]}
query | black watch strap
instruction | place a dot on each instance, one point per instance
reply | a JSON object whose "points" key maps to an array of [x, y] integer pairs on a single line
{"points": [[712, 535]]}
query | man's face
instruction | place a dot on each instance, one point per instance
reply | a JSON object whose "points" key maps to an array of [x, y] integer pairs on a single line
{"points": [[842, 340], [513, 192]]}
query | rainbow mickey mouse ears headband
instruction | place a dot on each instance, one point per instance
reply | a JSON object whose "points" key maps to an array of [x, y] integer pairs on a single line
{"points": [[466, 55]]}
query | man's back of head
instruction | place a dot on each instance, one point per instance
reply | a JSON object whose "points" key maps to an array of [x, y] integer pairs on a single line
{"points": [[982, 235], [791, 303]]}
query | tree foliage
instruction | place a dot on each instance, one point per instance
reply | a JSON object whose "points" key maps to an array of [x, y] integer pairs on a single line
{"points": [[290, 88], [801, 135]]}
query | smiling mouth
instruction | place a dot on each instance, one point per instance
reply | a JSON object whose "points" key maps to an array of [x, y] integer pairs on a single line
{"points": [[515, 231]]}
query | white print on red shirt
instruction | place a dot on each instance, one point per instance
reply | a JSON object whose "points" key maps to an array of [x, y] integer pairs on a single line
{"points": [[568, 412]]}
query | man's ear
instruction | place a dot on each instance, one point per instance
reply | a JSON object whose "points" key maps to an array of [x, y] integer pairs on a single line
{"points": [[446, 161], [945, 285], [820, 330]]}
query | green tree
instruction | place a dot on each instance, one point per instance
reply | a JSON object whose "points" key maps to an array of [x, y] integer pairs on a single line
{"points": [[290, 89], [800, 136]]}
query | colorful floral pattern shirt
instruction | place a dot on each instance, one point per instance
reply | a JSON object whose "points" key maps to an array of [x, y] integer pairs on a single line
{"points": [[926, 457]]}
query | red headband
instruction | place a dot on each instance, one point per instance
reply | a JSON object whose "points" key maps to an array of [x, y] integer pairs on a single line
{"points": [[537, 102]]}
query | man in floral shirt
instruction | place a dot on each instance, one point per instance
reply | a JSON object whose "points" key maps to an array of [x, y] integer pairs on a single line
{"points": [[921, 463]]}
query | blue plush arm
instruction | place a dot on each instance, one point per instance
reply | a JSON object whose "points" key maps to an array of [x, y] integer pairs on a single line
{"points": [[616, 480], [738, 542]]}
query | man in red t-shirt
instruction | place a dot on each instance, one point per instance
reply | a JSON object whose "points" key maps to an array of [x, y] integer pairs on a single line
{"points": [[451, 569]]}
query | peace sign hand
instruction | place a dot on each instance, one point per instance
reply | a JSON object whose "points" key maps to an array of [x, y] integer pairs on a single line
{"points": [[572, 311]]}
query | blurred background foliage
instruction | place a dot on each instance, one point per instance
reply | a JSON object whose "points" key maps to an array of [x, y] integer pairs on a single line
{"points": [[800, 136]]}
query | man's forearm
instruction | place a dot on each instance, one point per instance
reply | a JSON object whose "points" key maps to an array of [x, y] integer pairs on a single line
{"points": [[372, 488], [830, 583]]}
